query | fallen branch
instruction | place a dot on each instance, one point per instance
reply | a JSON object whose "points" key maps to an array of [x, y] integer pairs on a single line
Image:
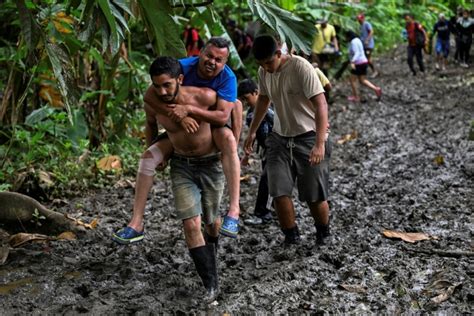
{"points": [[16, 207]]}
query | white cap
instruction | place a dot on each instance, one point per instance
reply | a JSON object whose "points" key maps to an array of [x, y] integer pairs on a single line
{"points": [[441, 15]]}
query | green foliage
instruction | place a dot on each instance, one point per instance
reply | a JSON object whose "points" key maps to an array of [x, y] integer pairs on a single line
{"points": [[37, 218], [293, 30]]}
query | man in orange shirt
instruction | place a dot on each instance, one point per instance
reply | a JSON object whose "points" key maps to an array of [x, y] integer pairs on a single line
{"points": [[416, 41]]}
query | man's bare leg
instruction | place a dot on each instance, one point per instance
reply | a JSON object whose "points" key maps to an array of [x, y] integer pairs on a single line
{"points": [[285, 210], [225, 141], [155, 155], [320, 212]]}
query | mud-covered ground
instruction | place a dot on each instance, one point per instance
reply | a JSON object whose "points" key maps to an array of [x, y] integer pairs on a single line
{"points": [[388, 177]]}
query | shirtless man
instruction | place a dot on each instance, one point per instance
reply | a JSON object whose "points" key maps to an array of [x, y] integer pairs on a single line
{"points": [[196, 170], [208, 70]]}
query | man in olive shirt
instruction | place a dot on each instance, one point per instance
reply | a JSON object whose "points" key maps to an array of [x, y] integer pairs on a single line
{"points": [[298, 148]]}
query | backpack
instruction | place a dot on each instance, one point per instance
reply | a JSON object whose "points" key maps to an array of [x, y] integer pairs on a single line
{"points": [[419, 36]]}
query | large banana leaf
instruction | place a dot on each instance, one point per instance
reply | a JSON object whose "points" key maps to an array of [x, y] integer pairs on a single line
{"points": [[29, 27], [292, 29], [163, 31], [115, 39], [63, 71]]}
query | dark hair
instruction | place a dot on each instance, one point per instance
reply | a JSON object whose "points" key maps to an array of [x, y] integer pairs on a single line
{"points": [[264, 46], [166, 65], [246, 86], [219, 42], [350, 35], [409, 15]]}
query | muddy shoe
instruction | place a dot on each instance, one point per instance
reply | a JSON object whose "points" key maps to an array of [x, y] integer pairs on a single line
{"points": [[322, 232], [211, 295], [258, 220], [127, 235], [230, 227], [292, 236]]}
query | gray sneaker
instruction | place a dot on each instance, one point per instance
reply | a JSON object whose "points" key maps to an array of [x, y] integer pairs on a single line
{"points": [[258, 220]]}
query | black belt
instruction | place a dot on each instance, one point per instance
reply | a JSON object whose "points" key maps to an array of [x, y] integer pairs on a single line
{"points": [[203, 160]]}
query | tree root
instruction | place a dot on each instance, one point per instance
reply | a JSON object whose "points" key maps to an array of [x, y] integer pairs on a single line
{"points": [[22, 209]]}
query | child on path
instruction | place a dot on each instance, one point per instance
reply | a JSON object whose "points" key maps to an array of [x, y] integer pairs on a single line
{"points": [[359, 64], [248, 94]]}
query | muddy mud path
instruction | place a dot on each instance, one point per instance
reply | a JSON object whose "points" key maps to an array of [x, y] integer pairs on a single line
{"points": [[388, 177]]}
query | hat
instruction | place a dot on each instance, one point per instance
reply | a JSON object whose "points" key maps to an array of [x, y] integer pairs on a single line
{"points": [[441, 15], [322, 20], [360, 17]]}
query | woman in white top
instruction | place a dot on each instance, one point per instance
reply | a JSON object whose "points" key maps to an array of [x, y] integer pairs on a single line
{"points": [[359, 64]]}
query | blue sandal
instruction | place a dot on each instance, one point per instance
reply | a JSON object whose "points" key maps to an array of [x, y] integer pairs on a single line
{"points": [[230, 227], [127, 235]]}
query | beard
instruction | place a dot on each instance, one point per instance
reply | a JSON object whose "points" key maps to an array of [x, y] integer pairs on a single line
{"points": [[169, 98]]}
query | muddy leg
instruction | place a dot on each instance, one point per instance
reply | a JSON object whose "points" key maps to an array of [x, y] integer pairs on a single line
{"points": [[320, 212], [355, 91], [226, 143], [151, 158], [286, 216]]}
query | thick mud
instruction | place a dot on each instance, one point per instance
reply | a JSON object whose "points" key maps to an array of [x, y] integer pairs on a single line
{"points": [[410, 168]]}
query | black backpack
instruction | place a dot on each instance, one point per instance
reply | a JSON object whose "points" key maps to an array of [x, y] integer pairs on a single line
{"points": [[419, 36]]}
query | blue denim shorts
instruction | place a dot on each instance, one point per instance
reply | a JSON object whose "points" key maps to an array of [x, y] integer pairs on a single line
{"points": [[288, 163], [198, 185], [442, 47]]}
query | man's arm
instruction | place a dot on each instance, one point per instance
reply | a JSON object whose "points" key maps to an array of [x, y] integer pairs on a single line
{"points": [[263, 102], [151, 127], [321, 118], [335, 42], [218, 117]]}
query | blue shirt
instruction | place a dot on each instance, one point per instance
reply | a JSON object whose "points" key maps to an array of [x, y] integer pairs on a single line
{"points": [[365, 28], [442, 27], [225, 83]]}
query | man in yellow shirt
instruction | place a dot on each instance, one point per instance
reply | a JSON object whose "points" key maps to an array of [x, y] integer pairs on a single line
{"points": [[324, 44]]}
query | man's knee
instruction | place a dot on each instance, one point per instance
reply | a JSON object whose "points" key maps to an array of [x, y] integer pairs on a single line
{"points": [[192, 227], [149, 160], [224, 139]]}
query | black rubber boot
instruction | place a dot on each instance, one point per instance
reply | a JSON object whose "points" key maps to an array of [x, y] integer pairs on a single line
{"points": [[205, 261], [212, 240], [292, 235], [322, 231]]}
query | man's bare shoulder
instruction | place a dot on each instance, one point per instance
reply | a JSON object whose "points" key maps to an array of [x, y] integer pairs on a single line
{"points": [[150, 96], [201, 95]]}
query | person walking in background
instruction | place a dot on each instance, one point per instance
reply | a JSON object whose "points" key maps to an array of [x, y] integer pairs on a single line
{"points": [[298, 149], [442, 42], [242, 41], [192, 41], [248, 94], [453, 24], [359, 64], [367, 38], [465, 26], [416, 41], [325, 45]]}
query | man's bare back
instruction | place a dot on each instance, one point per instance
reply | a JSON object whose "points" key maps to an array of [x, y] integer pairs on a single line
{"points": [[188, 144]]}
